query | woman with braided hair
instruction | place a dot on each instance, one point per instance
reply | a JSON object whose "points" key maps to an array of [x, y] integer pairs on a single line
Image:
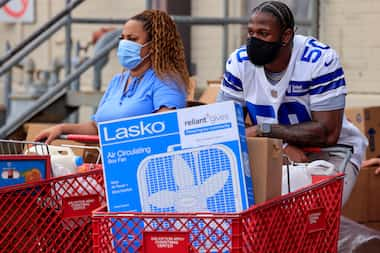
{"points": [[155, 76]]}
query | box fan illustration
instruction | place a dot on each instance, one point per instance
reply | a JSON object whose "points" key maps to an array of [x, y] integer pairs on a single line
{"points": [[190, 180]]}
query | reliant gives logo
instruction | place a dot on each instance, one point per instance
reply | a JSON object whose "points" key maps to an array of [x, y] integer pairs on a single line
{"points": [[207, 119], [141, 129]]}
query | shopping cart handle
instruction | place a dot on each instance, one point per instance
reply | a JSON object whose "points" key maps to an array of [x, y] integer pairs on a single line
{"points": [[80, 138], [312, 150], [337, 148]]}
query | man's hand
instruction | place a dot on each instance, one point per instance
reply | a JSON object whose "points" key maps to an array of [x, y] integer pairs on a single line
{"points": [[252, 131], [295, 154], [372, 162]]}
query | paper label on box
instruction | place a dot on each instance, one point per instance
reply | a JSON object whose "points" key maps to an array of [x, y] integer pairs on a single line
{"points": [[203, 125]]}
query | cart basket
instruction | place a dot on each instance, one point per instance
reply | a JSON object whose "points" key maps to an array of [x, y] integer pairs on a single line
{"points": [[306, 220]]}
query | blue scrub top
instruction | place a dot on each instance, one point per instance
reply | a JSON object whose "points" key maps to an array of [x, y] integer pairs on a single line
{"points": [[141, 97]]}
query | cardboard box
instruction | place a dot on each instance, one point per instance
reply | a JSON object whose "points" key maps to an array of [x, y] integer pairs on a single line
{"points": [[192, 159], [211, 92], [373, 197], [265, 156], [367, 119], [357, 205], [363, 204], [33, 129]]}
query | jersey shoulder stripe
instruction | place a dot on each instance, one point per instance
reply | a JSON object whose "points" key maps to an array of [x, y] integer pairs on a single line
{"points": [[318, 80], [331, 86], [241, 54], [328, 77], [231, 81]]}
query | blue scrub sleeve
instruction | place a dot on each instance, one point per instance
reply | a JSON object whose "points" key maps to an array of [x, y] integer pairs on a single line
{"points": [[168, 94], [112, 83]]}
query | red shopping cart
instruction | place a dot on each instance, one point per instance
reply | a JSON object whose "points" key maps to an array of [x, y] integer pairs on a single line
{"points": [[306, 220], [48, 215]]}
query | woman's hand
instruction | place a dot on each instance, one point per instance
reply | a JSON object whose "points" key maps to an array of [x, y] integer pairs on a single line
{"points": [[295, 154], [372, 162], [49, 134]]}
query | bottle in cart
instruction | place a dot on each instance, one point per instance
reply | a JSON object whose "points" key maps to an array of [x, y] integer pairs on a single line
{"points": [[64, 161]]}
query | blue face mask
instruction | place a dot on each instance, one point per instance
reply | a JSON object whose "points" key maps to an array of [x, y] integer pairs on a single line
{"points": [[129, 53]]}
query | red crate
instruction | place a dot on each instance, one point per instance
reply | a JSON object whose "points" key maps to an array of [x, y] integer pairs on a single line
{"points": [[303, 221], [52, 215]]}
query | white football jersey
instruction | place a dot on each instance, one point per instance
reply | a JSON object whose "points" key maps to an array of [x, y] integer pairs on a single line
{"points": [[314, 76]]}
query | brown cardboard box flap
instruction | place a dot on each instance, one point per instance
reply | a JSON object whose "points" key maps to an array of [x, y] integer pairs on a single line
{"points": [[210, 93], [265, 156], [363, 204], [357, 205], [374, 196], [367, 119]]}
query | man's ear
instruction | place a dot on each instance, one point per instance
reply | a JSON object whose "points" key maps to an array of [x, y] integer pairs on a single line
{"points": [[287, 36]]}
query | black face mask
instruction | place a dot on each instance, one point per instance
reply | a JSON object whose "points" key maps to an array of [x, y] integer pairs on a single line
{"points": [[261, 52]]}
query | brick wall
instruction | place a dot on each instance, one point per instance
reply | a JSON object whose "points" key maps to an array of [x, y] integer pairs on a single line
{"points": [[351, 27], [207, 40]]}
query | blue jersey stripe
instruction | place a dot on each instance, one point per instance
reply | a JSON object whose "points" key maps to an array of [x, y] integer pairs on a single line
{"points": [[231, 86], [328, 77], [333, 85], [318, 80], [233, 79], [241, 54]]}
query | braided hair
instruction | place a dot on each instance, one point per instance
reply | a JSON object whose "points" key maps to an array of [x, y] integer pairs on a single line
{"points": [[167, 50], [280, 11]]}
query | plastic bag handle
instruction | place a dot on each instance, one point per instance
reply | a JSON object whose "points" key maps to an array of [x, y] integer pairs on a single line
{"points": [[320, 167]]}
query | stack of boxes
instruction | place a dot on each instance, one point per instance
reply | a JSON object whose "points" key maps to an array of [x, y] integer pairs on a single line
{"points": [[363, 205]]}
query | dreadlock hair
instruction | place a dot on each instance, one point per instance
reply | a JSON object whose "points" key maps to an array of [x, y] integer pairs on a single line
{"points": [[167, 51], [280, 11]]}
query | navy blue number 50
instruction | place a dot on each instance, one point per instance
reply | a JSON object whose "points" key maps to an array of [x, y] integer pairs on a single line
{"points": [[313, 52]]}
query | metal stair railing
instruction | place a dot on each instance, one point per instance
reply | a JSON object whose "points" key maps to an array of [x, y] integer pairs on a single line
{"points": [[13, 56], [55, 92]]}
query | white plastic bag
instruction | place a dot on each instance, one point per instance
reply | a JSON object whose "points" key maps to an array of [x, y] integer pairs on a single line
{"points": [[357, 238], [300, 174]]}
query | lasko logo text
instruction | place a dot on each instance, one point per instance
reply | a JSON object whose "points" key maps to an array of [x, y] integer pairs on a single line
{"points": [[142, 129], [208, 118]]}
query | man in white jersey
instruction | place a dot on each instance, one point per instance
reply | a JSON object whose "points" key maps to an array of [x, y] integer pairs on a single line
{"points": [[293, 87]]}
